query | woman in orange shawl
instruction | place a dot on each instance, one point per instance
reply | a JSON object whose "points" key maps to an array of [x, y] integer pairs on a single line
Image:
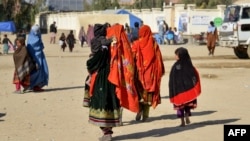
{"points": [[150, 69]]}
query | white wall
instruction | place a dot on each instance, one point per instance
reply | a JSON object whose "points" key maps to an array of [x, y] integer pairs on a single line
{"points": [[197, 19]]}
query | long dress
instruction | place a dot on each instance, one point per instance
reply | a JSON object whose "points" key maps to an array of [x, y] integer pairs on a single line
{"points": [[104, 105], [184, 83], [111, 85], [40, 76], [150, 69]]}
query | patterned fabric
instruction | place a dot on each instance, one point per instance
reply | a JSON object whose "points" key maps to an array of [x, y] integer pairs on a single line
{"points": [[104, 106], [23, 62], [122, 69], [149, 63]]}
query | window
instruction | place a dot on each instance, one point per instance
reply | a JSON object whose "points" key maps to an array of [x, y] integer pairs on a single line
{"points": [[245, 13], [245, 27]]}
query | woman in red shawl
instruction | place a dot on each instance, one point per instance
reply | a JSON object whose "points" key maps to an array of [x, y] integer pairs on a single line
{"points": [[150, 69], [184, 85]]}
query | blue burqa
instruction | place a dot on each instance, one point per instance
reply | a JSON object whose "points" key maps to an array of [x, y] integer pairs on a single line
{"points": [[40, 76]]}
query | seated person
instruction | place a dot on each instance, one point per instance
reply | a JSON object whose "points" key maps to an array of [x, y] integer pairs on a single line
{"points": [[170, 36], [177, 36]]}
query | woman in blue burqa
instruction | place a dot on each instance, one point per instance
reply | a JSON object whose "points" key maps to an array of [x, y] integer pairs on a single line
{"points": [[40, 76]]}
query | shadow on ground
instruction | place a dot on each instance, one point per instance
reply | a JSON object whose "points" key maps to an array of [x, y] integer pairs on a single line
{"points": [[171, 130], [57, 89], [2, 115], [167, 116], [64, 88]]}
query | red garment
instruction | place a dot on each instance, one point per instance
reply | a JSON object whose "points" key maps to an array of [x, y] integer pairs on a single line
{"points": [[149, 63], [188, 95], [122, 69]]}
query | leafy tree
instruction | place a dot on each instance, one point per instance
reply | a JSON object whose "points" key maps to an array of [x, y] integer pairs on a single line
{"points": [[105, 4], [208, 3], [20, 12], [115, 4], [87, 6], [158, 3], [146, 4]]}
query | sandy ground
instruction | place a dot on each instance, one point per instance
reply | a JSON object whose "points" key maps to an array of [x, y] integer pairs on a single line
{"points": [[57, 114]]}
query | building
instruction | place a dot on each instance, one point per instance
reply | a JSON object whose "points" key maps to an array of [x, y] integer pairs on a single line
{"points": [[126, 2], [65, 5]]}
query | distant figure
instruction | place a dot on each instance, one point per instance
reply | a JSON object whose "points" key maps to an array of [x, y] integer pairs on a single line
{"points": [[71, 40], [212, 37], [23, 34], [6, 43], [23, 66], [184, 85], [53, 31], [40, 77], [90, 34], [135, 32], [177, 36], [165, 26], [82, 36], [62, 41], [161, 31], [141, 23], [170, 36], [128, 31]]}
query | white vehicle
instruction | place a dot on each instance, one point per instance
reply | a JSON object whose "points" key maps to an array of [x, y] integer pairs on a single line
{"points": [[235, 30]]}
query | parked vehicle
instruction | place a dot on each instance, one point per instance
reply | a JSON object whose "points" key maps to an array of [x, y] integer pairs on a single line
{"points": [[200, 38], [235, 30]]}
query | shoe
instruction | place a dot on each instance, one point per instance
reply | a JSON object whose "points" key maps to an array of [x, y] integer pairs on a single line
{"points": [[187, 119], [25, 90], [107, 137], [138, 116], [144, 119], [38, 89]]}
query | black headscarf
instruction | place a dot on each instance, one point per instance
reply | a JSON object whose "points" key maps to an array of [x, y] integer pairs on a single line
{"points": [[183, 75], [99, 40], [100, 30]]}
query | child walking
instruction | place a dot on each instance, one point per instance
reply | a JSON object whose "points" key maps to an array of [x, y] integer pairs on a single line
{"points": [[184, 85], [23, 66], [62, 41], [6, 42], [71, 40]]}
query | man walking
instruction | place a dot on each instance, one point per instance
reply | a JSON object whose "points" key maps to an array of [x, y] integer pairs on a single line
{"points": [[53, 31]]}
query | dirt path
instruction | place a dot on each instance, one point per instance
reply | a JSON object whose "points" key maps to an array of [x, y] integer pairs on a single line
{"points": [[57, 114]]}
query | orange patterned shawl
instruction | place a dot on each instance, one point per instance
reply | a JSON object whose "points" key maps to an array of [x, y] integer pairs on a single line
{"points": [[122, 69]]}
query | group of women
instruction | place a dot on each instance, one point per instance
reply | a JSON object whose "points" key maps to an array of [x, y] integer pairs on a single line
{"points": [[31, 69], [128, 75]]}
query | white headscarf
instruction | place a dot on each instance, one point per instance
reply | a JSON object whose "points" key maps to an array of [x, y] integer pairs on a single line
{"points": [[161, 22], [35, 28]]}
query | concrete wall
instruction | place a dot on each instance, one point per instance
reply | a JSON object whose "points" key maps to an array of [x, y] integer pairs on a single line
{"points": [[194, 20], [74, 21]]}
